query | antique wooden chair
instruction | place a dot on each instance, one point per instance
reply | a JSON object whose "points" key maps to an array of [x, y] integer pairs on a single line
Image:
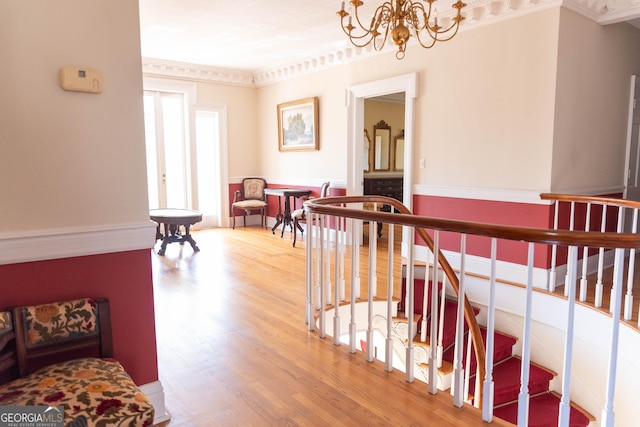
{"points": [[250, 198], [300, 215], [64, 357]]}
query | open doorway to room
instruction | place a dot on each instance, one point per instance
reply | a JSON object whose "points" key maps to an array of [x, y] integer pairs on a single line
{"points": [[186, 152], [383, 154], [400, 87]]}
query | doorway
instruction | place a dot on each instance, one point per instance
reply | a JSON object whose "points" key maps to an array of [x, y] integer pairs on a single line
{"points": [[405, 84]]}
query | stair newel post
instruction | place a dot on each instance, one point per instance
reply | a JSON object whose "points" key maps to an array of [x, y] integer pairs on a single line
{"points": [[435, 359], [458, 371], [554, 251], [337, 293], [355, 283], [410, 291], [523, 396], [628, 299], [585, 258], [388, 359], [487, 404], [565, 401], [309, 279], [599, 285], [608, 416], [322, 317]]}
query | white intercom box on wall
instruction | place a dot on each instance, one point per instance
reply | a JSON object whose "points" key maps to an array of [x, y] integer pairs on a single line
{"points": [[80, 80]]}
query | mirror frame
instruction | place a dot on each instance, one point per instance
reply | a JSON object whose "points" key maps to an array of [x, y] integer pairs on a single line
{"points": [[367, 152], [381, 132], [398, 160]]}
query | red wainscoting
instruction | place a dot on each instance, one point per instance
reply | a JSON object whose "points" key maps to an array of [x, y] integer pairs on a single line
{"points": [[124, 278], [493, 212]]}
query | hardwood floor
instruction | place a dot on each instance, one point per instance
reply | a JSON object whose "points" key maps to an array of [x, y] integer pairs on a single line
{"points": [[234, 350]]}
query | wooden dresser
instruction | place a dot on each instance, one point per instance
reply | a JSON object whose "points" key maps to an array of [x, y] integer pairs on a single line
{"points": [[384, 186]]}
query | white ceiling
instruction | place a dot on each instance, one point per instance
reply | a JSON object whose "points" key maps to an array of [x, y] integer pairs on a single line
{"points": [[257, 35]]}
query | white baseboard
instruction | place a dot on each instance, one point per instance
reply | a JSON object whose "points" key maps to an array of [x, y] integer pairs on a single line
{"points": [[155, 393]]}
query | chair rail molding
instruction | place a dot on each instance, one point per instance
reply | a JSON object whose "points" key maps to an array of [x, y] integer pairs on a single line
{"points": [[40, 245]]}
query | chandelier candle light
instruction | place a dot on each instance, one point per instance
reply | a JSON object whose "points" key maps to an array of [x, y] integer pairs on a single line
{"points": [[400, 19]]}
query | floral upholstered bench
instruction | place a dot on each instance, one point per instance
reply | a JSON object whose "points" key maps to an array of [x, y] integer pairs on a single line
{"points": [[94, 391]]}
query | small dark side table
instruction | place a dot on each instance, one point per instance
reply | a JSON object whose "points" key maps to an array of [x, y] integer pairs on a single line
{"points": [[173, 219]]}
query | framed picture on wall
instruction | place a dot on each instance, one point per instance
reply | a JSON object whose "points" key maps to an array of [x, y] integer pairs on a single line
{"points": [[298, 125]]}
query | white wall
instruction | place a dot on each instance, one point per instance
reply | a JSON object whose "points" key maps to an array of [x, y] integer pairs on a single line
{"points": [[485, 108], [70, 159], [594, 70]]}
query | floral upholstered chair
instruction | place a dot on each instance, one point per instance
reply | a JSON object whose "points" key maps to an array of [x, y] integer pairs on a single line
{"points": [[250, 198], [300, 215], [93, 391]]}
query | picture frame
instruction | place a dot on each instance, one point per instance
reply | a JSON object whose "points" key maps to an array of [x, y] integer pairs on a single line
{"points": [[298, 125]]}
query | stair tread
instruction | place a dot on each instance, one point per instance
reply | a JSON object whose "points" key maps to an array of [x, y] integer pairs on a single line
{"points": [[506, 380], [545, 406]]}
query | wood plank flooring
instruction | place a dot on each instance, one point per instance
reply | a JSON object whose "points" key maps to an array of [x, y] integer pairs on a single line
{"points": [[234, 350]]}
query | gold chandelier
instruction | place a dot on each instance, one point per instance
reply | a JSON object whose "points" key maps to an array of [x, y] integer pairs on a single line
{"points": [[400, 19]]}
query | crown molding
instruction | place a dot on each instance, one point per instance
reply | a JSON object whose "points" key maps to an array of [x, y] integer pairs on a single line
{"points": [[182, 70], [478, 13]]}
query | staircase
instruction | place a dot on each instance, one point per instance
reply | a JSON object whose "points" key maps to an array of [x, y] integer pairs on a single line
{"points": [[543, 403]]}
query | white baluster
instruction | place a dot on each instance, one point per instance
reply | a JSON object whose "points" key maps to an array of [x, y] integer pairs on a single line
{"points": [[388, 359], [457, 387], [599, 285], [585, 258], [608, 416], [425, 301], [628, 299], [309, 280], [488, 391], [565, 402], [336, 293], [343, 251], [373, 249], [371, 290], [435, 361], [551, 286], [617, 289], [569, 260], [523, 396], [410, 359], [355, 283], [321, 321]]}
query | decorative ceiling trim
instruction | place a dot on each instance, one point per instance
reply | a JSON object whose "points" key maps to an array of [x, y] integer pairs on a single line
{"points": [[182, 70], [478, 13]]}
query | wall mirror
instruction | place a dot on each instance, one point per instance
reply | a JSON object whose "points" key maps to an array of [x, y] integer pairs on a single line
{"points": [[381, 146], [367, 147], [398, 152]]}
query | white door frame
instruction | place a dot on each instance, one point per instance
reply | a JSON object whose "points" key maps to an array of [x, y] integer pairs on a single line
{"points": [[407, 83]]}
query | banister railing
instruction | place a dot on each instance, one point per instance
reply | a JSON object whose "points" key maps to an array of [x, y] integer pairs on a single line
{"points": [[595, 213], [339, 223]]}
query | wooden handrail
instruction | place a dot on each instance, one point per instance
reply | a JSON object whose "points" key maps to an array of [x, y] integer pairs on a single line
{"points": [[609, 240]]}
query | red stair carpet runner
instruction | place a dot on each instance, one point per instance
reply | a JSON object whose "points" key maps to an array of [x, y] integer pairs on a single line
{"points": [[543, 404]]}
